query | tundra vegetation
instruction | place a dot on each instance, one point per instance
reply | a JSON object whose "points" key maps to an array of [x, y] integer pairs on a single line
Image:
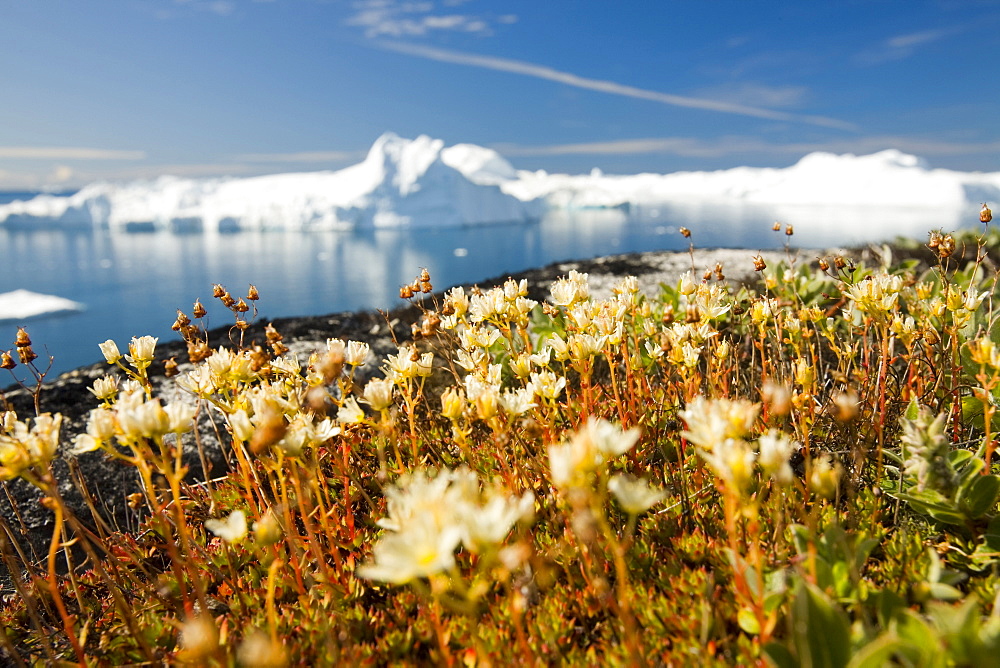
{"points": [[796, 472]]}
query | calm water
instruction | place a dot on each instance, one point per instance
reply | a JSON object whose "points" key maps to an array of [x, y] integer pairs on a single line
{"points": [[132, 283]]}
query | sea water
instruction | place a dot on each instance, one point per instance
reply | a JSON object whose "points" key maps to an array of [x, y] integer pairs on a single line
{"points": [[132, 283]]}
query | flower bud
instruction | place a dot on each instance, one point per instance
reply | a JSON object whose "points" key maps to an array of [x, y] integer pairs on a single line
{"points": [[267, 530]]}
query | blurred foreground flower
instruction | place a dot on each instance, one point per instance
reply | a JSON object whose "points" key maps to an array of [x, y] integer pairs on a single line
{"points": [[635, 495], [231, 529], [431, 514]]}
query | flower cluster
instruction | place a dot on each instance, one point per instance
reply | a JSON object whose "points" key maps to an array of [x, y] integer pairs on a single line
{"points": [[431, 513]]}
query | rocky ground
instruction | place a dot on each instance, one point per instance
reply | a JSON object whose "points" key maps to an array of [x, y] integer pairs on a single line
{"points": [[108, 483]]}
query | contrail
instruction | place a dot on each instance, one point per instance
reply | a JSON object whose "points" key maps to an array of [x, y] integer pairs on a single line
{"points": [[610, 87]]}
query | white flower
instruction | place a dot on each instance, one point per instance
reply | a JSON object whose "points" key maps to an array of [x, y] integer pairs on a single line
{"points": [[230, 529], [775, 450], [484, 526], [350, 412], [635, 495], [357, 353], [517, 402], [180, 416], [563, 292], [606, 438], [110, 351], [100, 430], [546, 384], [142, 419], [240, 425], [713, 421], [141, 351], [378, 393], [732, 461], [105, 387], [420, 551], [588, 449]]}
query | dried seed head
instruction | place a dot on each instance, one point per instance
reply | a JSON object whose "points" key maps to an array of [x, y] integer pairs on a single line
{"points": [[823, 264], [685, 232], [758, 263], [252, 294], [406, 292], [934, 240], [985, 215], [426, 288], [719, 276], [241, 307], [170, 368], [946, 247], [707, 275], [181, 322], [199, 310], [789, 230], [331, 365], [227, 300], [776, 227], [6, 361], [22, 338], [839, 262], [26, 354], [425, 275], [242, 325], [272, 334], [430, 324], [218, 291], [198, 351]]}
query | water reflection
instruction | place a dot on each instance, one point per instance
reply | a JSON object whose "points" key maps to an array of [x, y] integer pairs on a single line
{"points": [[131, 283]]}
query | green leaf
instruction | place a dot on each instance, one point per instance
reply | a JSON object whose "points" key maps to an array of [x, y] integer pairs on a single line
{"points": [[979, 496], [880, 652], [821, 632], [748, 621], [780, 656], [887, 605], [929, 502]]}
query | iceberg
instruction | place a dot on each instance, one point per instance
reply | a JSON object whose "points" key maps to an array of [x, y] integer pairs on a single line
{"points": [[24, 304], [888, 178], [401, 182], [422, 183]]}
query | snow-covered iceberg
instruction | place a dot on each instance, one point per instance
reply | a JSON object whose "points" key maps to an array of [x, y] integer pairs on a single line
{"points": [[416, 183], [888, 178], [422, 183], [24, 304]]}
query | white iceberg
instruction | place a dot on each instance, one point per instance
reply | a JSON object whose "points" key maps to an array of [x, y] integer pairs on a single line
{"points": [[416, 183], [24, 304], [422, 183], [885, 179]]}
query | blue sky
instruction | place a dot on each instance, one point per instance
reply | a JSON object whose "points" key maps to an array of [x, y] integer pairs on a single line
{"points": [[136, 88]]}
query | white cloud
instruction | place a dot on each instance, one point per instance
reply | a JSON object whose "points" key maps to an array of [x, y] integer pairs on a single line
{"points": [[66, 153], [603, 86], [220, 7], [742, 145], [303, 156], [757, 94], [414, 19], [903, 46], [62, 174]]}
